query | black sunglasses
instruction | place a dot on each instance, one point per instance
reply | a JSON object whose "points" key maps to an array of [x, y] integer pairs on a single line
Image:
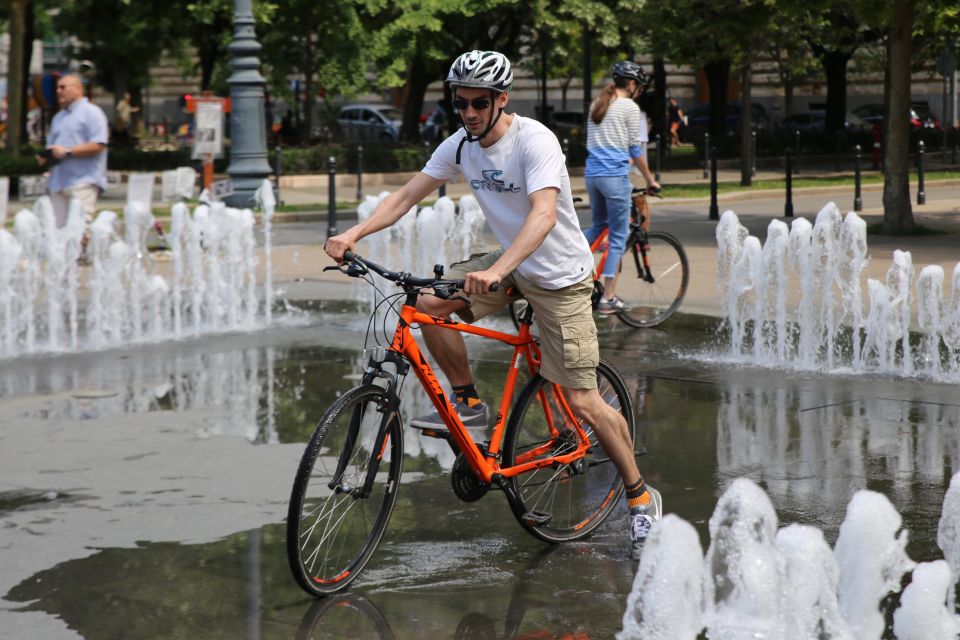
{"points": [[479, 104]]}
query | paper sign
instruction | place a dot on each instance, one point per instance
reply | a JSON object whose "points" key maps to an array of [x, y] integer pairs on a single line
{"points": [[208, 129], [186, 182], [222, 188], [140, 189], [168, 185], [32, 187]]}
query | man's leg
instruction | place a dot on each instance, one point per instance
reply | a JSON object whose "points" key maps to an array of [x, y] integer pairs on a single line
{"points": [[447, 347], [610, 427], [61, 206]]}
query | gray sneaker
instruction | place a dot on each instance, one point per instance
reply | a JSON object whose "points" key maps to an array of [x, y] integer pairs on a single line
{"points": [[611, 306], [473, 418], [642, 523]]}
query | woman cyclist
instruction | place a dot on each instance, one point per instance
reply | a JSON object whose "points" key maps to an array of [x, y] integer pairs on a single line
{"points": [[616, 137]]}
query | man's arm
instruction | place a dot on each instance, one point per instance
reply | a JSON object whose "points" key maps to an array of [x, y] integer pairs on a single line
{"points": [[78, 150], [390, 209], [541, 219]]}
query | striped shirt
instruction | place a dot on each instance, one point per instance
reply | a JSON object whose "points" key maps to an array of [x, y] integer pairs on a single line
{"points": [[621, 135]]}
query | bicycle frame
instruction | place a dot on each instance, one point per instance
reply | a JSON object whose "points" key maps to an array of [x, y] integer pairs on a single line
{"points": [[485, 463], [637, 225]]}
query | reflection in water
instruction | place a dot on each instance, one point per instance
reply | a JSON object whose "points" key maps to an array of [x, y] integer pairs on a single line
{"points": [[813, 449], [235, 389], [350, 616]]}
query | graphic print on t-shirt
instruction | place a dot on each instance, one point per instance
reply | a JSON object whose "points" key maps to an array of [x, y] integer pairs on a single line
{"points": [[492, 182]]}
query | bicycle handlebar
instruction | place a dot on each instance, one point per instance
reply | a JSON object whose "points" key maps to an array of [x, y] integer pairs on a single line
{"points": [[442, 288], [643, 191]]}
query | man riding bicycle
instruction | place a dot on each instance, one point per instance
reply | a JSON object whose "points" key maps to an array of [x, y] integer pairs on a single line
{"points": [[519, 178]]}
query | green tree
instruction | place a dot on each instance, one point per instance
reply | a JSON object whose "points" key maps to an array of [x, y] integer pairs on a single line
{"points": [[324, 42], [20, 20], [123, 38]]}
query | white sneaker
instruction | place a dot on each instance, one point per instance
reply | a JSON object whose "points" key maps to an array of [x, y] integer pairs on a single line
{"points": [[642, 523], [474, 418]]}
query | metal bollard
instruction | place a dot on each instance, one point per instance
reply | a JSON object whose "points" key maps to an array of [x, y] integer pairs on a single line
{"points": [[857, 200], [753, 153], [706, 155], [788, 207], [359, 172], [921, 194], [796, 167], [276, 171], [714, 208], [332, 197], [656, 173]]}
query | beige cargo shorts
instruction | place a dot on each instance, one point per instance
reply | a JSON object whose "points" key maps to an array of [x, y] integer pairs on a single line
{"points": [[569, 349]]}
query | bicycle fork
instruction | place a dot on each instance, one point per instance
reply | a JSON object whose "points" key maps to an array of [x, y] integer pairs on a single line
{"points": [[389, 407], [640, 244]]}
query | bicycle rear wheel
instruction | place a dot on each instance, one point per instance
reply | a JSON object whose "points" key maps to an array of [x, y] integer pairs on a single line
{"points": [[648, 303], [332, 531], [573, 498]]}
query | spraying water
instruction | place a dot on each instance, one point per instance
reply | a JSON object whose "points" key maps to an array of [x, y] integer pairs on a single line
{"points": [[829, 328], [48, 302]]}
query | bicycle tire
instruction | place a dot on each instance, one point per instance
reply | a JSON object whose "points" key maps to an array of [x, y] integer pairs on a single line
{"points": [[577, 501], [331, 535], [647, 304]]}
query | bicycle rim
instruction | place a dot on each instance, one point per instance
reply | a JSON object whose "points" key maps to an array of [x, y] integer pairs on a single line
{"points": [[577, 500], [647, 304], [332, 534]]}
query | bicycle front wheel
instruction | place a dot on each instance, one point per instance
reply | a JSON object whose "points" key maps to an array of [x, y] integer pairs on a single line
{"points": [[568, 500], [332, 529], [652, 294]]}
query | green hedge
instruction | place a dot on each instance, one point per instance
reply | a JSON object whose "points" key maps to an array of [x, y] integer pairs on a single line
{"points": [[380, 157]]}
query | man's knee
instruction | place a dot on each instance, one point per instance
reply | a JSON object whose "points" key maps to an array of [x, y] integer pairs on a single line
{"points": [[438, 307]]}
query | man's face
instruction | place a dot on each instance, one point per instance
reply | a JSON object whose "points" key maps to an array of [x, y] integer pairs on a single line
{"points": [[476, 107], [69, 90]]}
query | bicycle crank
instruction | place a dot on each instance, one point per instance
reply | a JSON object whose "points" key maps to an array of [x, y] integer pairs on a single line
{"points": [[465, 483]]}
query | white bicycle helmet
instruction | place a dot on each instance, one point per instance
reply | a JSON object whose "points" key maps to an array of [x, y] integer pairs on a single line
{"points": [[481, 70]]}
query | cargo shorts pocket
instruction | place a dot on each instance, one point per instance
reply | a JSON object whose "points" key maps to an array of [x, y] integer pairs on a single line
{"points": [[580, 346]]}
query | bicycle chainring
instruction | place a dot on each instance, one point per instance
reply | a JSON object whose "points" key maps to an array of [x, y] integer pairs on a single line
{"points": [[465, 483]]}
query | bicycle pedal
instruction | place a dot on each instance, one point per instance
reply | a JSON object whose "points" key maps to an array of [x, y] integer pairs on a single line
{"points": [[537, 518], [430, 432], [642, 451]]}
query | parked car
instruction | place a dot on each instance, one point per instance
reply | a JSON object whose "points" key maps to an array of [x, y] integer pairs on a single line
{"points": [[817, 120], [567, 124], [920, 115], [698, 119], [370, 122]]}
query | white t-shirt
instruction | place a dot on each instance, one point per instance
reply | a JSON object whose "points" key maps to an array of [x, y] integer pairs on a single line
{"points": [[526, 159]]}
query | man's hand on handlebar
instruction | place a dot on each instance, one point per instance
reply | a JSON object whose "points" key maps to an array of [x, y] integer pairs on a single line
{"points": [[337, 245], [480, 282]]}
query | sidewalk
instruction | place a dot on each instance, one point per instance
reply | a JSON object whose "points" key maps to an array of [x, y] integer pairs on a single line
{"points": [[298, 255]]}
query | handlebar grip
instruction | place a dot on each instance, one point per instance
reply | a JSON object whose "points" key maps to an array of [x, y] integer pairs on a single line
{"points": [[460, 284], [348, 255]]}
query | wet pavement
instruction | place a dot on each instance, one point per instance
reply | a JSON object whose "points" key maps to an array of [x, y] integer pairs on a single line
{"points": [[144, 491]]}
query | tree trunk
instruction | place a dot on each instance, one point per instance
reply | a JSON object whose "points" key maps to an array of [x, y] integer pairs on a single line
{"points": [[417, 81], [309, 87], [718, 77], [746, 125], [16, 79], [835, 67], [788, 97], [897, 212]]}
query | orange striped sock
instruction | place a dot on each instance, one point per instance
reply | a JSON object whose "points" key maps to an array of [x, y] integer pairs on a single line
{"points": [[637, 496]]}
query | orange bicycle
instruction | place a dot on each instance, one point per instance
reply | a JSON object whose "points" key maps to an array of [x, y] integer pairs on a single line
{"points": [[653, 284], [557, 479]]}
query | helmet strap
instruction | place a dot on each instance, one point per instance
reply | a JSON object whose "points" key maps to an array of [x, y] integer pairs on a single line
{"points": [[493, 122]]}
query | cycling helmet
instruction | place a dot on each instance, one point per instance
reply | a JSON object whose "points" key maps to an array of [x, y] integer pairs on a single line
{"points": [[481, 70], [631, 71]]}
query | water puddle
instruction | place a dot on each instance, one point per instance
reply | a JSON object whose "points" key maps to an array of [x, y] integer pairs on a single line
{"points": [[186, 526]]}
